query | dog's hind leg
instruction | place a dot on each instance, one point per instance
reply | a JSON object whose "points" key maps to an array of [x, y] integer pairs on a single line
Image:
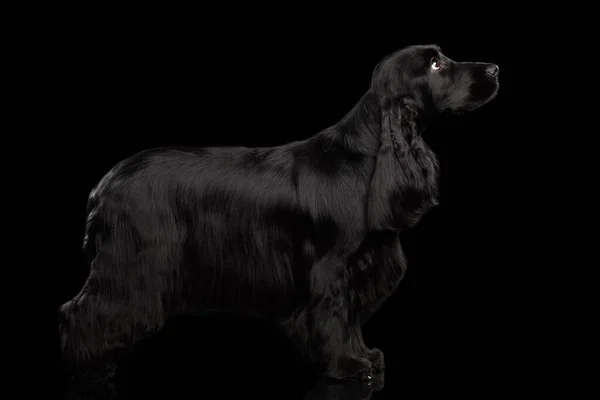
{"points": [[120, 303]]}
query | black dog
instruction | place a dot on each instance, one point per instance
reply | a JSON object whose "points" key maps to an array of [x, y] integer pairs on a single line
{"points": [[305, 234]]}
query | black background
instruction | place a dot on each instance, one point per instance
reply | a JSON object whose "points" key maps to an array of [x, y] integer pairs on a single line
{"points": [[119, 85]]}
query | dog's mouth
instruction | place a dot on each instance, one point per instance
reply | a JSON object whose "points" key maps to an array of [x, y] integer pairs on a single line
{"points": [[496, 86], [484, 91], [476, 103], [494, 94]]}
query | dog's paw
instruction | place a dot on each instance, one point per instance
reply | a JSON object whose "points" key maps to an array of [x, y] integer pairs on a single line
{"points": [[351, 369], [377, 360]]}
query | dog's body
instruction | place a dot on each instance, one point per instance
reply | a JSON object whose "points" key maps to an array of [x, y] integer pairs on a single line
{"points": [[305, 234]]}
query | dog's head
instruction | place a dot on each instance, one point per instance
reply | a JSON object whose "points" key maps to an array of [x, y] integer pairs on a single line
{"points": [[430, 83]]}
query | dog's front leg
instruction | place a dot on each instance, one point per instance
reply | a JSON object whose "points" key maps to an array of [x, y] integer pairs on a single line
{"points": [[375, 356], [334, 336], [333, 343]]}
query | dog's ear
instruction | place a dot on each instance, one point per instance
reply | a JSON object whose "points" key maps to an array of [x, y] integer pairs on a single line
{"points": [[392, 177]]}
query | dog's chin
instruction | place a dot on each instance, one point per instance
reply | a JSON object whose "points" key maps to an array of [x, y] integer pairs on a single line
{"points": [[474, 105], [489, 98], [464, 108], [494, 92]]}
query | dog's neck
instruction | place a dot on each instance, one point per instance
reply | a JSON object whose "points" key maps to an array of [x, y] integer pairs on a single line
{"points": [[360, 128], [423, 110]]}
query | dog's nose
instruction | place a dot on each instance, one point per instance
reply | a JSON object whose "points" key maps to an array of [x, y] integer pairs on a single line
{"points": [[492, 69]]}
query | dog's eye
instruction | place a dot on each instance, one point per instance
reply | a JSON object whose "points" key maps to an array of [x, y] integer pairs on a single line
{"points": [[435, 64]]}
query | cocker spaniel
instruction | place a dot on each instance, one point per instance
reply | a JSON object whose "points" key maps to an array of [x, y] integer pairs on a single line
{"points": [[305, 234]]}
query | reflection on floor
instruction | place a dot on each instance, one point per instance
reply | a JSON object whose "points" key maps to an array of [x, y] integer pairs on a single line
{"points": [[323, 390]]}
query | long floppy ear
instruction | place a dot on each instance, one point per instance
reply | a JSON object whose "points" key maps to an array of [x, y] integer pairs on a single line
{"points": [[397, 187]]}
